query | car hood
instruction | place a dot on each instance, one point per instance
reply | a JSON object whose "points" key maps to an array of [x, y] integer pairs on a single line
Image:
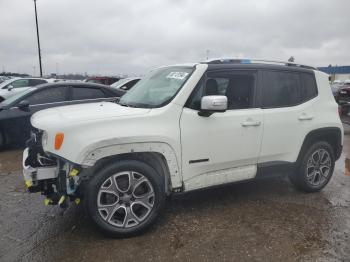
{"points": [[74, 114]]}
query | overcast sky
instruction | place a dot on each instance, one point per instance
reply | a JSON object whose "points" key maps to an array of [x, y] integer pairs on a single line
{"points": [[112, 37]]}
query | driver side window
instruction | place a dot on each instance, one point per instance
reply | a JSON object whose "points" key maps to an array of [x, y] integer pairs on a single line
{"points": [[238, 87]]}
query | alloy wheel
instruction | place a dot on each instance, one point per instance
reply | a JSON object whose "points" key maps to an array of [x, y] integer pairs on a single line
{"points": [[318, 168], [125, 199]]}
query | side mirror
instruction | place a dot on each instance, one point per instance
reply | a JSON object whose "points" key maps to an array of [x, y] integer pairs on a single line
{"points": [[10, 87], [212, 104], [23, 105]]}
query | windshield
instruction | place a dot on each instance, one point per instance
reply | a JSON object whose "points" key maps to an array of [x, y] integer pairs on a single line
{"points": [[13, 98], [158, 88]]}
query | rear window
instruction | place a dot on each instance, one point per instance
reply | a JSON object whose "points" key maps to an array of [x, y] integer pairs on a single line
{"points": [[34, 82], [81, 93], [280, 89]]}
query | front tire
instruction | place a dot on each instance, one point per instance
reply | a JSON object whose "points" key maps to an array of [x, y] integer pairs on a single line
{"points": [[124, 198], [316, 168]]}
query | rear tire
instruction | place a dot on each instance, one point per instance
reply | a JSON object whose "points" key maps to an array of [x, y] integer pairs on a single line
{"points": [[125, 197], [316, 168]]}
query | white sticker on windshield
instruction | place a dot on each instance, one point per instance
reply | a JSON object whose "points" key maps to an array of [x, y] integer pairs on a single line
{"points": [[177, 75]]}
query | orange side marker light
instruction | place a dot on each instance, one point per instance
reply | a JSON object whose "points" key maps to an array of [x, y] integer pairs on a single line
{"points": [[59, 140]]}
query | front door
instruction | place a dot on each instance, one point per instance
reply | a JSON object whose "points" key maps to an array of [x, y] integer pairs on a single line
{"points": [[223, 147]]}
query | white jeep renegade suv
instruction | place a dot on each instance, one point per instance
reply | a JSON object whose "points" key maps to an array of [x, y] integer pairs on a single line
{"points": [[182, 128]]}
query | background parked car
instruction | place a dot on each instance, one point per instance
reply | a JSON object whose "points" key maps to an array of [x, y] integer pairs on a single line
{"points": [[3, 79], [335, 89], [104, 80], [17, 85], [126, 83], [16, 111], [343, 97]]}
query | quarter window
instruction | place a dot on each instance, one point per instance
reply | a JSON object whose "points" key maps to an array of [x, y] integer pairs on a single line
{"points": [[280, 89], [309, 88]]}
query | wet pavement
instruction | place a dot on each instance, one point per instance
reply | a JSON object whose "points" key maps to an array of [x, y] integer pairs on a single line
{"points": [[266, 220]]}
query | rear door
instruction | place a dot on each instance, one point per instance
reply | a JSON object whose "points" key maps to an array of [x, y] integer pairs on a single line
{"points": [[287, 99]]}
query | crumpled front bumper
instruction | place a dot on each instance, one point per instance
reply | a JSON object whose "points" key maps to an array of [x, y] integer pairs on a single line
{"points": [[34, 174], [57, 182]]}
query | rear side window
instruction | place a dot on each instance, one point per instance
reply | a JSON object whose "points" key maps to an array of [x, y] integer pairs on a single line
{"points": [[82, 93], [34, 82], [280, 89], [309, 88]]}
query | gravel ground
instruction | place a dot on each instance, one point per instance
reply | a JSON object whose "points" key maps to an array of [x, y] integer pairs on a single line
{"points": [[266, 220]]}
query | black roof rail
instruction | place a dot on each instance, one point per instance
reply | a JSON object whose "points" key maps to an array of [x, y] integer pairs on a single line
{"points": [[256, 61]]}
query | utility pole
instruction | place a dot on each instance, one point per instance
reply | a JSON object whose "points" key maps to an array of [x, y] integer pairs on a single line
{"points": [[56, 69], [207, 51], [37, 35]]}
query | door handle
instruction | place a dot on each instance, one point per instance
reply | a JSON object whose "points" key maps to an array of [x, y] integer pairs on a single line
{"points": [[251, 123], [305, 117]]}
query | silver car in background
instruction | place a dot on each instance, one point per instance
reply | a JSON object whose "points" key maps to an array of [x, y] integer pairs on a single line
{"points": [[14, 86], [126, 83]]}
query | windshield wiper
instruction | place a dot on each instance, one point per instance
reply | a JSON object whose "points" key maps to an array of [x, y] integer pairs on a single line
{"points": [[124, 104]]}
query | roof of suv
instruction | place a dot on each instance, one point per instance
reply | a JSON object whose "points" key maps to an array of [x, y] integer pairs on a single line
{"points": [[257, 64], [220, 64]]}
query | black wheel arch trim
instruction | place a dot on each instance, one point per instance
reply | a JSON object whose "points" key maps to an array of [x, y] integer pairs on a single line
{"points": [[331, 135]]}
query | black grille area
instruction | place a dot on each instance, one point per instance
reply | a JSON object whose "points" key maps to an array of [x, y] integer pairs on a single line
{"points": [[36, 155]]}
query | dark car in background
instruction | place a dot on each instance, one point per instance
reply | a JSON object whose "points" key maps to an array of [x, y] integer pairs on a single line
{"points": [[16, 111], [341, 94], [104, 80], [343, 98]]}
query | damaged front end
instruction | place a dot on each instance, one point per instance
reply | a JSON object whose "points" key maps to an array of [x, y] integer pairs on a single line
{"points": [[54, 177]]}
